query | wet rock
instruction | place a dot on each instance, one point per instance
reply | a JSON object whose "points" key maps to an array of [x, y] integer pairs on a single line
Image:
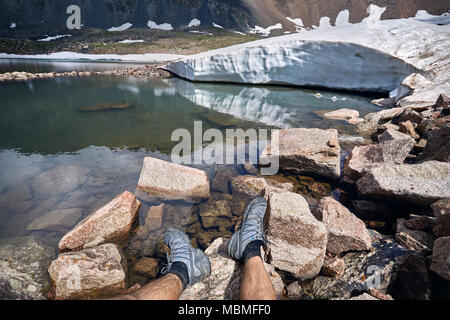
{"points": [[363, 271], [342, 114], [313, 151], [89, 274], [414, 240], [169, 181], [224, 281], [248, 186], [148, 267], [56, 220], [111, 223], [153, 221], [294, 291], [420, 184], [23, 263], [441, 258], [59, 180], [251, 168], [333, 267], [345, 231], [413, 280], [179, 215], [407, 127], [362, 159], [438, 145], [298, 240], [216, 212], [221, 181]]}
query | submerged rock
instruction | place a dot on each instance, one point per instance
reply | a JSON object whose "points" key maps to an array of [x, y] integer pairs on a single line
{"points": [[148, 267], [103, 106], [89, 274], [23, 264], [221, 181], [225, 278], [56, 220], [59, 180], [420, 184], [340, 114], [168, 181], [111, 223], [345, 231], [297, 240], [313, 151]]}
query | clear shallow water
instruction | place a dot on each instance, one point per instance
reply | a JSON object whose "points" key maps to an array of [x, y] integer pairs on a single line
{"points": [[45, 138], [41, 66]]}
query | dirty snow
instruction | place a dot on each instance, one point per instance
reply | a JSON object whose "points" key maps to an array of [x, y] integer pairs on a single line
{"points": [[163, 26], [123, 27]]}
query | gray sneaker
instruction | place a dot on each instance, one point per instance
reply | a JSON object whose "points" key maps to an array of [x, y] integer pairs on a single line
{"points": [[251, 230], [181, 250]]}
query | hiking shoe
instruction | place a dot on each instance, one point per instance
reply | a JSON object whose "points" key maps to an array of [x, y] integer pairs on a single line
{"points": [[251, 230], [181, 250]]}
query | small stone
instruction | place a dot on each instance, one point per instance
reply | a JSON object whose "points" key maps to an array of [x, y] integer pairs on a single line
{"points": [[294, 291], [379, 295], [408, 128], [333, 267]]}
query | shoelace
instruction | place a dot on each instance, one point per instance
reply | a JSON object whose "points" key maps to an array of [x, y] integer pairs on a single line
{"points": [[175, 251]]}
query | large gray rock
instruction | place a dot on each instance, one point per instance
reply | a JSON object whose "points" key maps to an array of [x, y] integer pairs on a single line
{"points": [[111, 223], [168, 181], [298, 241], [392, 134], [225, 278], [89, 274], [23, 265], [313, 151], [441, 258], [373, 120], [345, 231], [420, 184], [364, 158], [364, 270], [59, 180]]}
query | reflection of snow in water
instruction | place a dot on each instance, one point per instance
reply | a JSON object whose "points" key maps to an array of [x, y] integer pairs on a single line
{"points": [[278, 107]]}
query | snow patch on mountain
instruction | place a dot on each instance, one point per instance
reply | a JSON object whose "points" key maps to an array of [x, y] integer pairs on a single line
{"points": [[123, 27], [265, 31], [194, 23], [162, 26]]}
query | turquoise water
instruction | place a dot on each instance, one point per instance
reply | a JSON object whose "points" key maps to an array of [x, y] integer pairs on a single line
{"points": [[46, 136]]}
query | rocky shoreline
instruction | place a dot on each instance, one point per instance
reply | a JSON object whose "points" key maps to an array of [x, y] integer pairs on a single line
{"points": [[147, 71]]}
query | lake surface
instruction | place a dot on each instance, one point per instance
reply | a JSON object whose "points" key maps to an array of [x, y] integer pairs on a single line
{"points": [[47, 136]]}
